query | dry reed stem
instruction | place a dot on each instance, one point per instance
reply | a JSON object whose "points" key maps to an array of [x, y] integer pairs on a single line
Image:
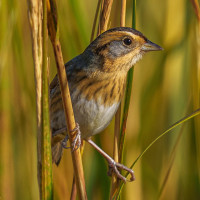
{"points": [[70, 121], [67, 104], [115, 181], [123, 13], [73, 190], [105, 15], [35, 20]]}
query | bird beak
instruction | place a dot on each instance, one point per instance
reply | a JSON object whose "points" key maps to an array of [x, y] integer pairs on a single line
{"points": [[150, 46]]}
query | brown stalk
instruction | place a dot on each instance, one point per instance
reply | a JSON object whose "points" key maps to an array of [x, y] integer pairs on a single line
{"points": [[115, 181], [35, 20], [105, 15], [74, 190], [123, 13], [69, 115]]}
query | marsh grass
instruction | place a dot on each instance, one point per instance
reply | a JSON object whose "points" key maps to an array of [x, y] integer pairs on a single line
{"points": [[163, 92]]}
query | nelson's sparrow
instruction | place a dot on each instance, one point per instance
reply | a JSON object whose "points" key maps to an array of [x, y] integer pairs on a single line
{"points": [[97, 80]]}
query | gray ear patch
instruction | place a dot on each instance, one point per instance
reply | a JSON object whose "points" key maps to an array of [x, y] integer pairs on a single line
{"points": [[117, 49]]}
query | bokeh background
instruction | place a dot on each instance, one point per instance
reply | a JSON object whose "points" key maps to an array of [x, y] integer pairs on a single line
{"points": [[165, 89]]}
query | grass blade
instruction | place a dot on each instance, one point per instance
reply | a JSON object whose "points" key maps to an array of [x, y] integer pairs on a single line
{"points": [[171, 161]]}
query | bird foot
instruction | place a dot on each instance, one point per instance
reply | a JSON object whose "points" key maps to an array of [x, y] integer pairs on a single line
{"points": [[77, 140], [115, 167], [76, 143], [64, 142]]}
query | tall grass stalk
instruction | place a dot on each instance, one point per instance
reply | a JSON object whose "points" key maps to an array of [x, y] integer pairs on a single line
{"points": [[105, 15], [43, 132], [47, 184], [69, 115]]}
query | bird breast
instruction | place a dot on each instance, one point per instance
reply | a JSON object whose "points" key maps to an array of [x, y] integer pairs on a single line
{"points": [[94, 102]]}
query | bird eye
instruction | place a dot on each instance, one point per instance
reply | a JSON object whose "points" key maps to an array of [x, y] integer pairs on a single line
{"points": [[127, 41]]}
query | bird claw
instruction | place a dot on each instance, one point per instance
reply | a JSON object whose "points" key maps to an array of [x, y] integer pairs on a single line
{"points": [[115, 167], [64, 142], [76, 143], [77, 140]]}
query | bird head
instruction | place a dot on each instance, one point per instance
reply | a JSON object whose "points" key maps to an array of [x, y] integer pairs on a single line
{"points": [[118, 49]]}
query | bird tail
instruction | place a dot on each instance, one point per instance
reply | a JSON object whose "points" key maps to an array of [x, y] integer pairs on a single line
{"points": [[57, 151], [56, 146]]}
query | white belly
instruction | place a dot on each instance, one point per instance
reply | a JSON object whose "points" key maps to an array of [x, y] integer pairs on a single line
{"points": [[92, 117]]}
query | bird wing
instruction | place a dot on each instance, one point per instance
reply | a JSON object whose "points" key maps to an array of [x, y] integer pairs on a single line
{"points": [[54, 82]]}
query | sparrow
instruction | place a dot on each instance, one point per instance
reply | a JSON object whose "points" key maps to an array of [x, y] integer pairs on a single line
{"points": [[97, 80]]}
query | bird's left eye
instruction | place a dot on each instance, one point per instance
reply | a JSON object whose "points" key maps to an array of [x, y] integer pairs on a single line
{"points": [[127, 41]]}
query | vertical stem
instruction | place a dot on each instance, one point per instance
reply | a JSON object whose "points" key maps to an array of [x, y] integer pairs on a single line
{"points": [[123, 13], [66, 99], [35, 19], [134, 14], [47, 186], [74, 190], [105, 15], [69, 115]]}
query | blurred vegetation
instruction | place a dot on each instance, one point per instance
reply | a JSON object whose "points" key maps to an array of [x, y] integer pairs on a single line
{"points": [[165, 89]]}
